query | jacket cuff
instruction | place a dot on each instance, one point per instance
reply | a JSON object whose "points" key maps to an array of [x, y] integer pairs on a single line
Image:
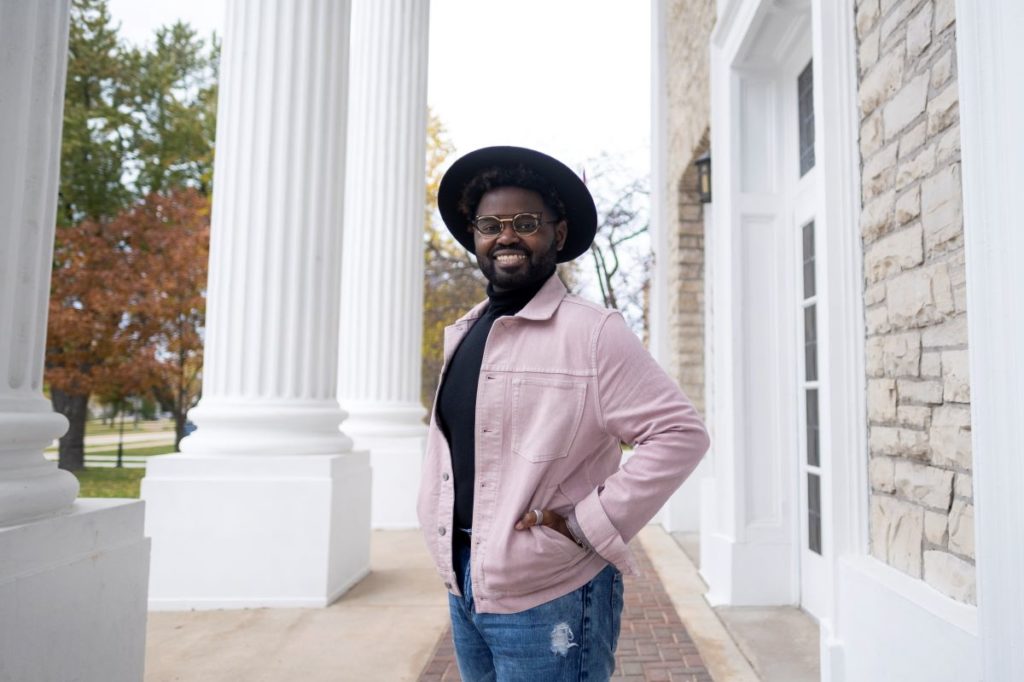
{"points": [[602, 535], [577, 533]]}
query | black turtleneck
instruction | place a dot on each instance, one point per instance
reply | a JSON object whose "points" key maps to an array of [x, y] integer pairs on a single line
{"points": [[456, 403]]}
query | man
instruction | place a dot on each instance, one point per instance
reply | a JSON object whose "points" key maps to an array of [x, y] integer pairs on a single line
{"points": [[523, 503]]}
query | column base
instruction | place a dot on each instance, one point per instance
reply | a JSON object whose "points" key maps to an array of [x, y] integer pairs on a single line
{"points": [[754, 572], [396, 437], [31, 487], [397, 464], [236, 531], [73, 594]]}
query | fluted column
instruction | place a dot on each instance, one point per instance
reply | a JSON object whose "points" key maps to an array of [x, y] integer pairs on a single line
{"points": [[72, 573], [272, 316], [268, 505], [382, 273], [33, 65]]}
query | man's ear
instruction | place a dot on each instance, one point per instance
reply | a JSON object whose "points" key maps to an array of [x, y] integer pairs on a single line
{"points": [[561, 233]]}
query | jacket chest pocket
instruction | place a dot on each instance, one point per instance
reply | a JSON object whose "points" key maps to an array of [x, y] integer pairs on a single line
{"points": [[546, 414]]}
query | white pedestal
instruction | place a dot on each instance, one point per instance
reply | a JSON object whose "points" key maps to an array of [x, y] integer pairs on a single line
{"points": [[396, 463], [256, 531], [396, 437], [73, 594]]}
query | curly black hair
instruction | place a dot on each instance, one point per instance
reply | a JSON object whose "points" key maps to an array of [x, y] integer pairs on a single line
{"points": [[508, 176]]}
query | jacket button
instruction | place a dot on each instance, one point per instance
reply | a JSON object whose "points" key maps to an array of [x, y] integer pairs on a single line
{"points": [[442, 530], [444, 476], [448, 585]]}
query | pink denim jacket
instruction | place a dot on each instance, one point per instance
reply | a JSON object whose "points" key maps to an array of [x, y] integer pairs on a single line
{"points": [[562, 383]]}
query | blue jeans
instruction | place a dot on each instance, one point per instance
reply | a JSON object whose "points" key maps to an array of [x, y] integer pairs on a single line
{"points": [[571, 638]]}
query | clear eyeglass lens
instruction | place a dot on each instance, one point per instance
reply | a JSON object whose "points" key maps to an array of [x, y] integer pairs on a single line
{"points": [[488, 225], [525, 223]]}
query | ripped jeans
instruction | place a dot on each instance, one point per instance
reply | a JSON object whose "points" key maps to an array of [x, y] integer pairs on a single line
{"points": [[571, 638]]}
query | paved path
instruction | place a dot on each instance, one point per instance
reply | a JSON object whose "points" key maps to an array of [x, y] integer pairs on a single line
{"points": [[653, 643], [108, 439]]}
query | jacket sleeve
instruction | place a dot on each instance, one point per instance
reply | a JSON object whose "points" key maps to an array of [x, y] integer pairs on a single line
{"points": [[639, 404]]}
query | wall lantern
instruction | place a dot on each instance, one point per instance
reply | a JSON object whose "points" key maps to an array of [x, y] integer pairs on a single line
{"points": [[703, 164]]}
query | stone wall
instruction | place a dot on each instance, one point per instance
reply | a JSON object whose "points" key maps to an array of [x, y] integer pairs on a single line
{"points": [[689, 24], [922, 513]]}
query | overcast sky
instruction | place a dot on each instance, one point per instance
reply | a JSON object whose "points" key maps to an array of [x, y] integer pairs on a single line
{"points": [[568, 77]]}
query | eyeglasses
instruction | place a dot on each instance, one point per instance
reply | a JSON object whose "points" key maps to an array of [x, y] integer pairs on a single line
{"points": [[524, 224]]}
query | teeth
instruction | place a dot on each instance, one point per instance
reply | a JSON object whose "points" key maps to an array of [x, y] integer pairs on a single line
{"points": [[510, 258]]}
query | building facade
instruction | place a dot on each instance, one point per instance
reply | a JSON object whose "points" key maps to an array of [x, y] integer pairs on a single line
{"points": [[838, 334]]}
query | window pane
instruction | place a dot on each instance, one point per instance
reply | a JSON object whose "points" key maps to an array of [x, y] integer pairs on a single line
{"points": [[810, 344], [808, 260], [814, 513], [805, 95], [813, 451]]}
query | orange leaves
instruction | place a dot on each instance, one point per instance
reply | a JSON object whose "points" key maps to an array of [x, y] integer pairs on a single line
{"points": [[126, 293]]}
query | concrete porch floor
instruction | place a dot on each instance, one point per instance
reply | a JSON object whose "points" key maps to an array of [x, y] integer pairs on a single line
{"points": [[781, 642], [386, 627]]}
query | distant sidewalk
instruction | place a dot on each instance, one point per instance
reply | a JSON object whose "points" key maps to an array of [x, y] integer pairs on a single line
{"points": [[134, 437]]}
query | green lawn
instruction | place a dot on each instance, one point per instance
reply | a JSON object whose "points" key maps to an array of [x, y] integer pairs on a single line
{"points": [[101, 482]]}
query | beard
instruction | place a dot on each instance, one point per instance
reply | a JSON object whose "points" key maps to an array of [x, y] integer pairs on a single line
{"points": [[534, 266]]}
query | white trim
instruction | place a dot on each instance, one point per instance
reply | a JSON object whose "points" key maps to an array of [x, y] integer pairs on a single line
{"points": [[727, 11], [898, 628], [841, 320], [990, 55], [839, 159], [659, 327]]}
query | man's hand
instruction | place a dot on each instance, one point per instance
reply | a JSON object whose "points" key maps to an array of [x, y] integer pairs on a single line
{"points": [[550, 519]]}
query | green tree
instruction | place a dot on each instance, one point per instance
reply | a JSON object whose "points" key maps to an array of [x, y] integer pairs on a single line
{"points": [[98, 126], [174, 110]]}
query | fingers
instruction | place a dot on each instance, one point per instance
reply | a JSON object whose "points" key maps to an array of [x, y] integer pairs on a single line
{"points": [[529, 519]]}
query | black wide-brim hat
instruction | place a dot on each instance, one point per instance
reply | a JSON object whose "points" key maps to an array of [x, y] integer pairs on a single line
{"points": [[580, 212]]}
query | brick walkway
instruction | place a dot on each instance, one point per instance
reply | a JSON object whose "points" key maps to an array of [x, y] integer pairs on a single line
{"points": [[653, 644]]}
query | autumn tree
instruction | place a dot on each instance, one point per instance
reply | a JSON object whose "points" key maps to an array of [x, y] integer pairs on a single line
{"points": [[174, 237], [138, 127], [97, 342], [452, 281]]}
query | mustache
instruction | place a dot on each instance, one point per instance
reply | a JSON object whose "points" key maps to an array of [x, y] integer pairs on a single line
{"points": [[498, 250]]}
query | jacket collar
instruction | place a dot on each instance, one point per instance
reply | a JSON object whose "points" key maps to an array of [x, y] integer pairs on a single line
{"points": [[541, 307]]}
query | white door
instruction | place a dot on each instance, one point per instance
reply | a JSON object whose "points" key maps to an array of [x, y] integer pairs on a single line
{"points": [[811, 467]]}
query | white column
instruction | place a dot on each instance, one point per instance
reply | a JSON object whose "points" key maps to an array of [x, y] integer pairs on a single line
{"points": [[268, 505], [659, 333], [990, 55], [69, 572], [33, 70], [382, 273]]}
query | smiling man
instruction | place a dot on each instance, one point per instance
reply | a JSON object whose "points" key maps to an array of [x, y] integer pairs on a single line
{"points": [[524, 505]]}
